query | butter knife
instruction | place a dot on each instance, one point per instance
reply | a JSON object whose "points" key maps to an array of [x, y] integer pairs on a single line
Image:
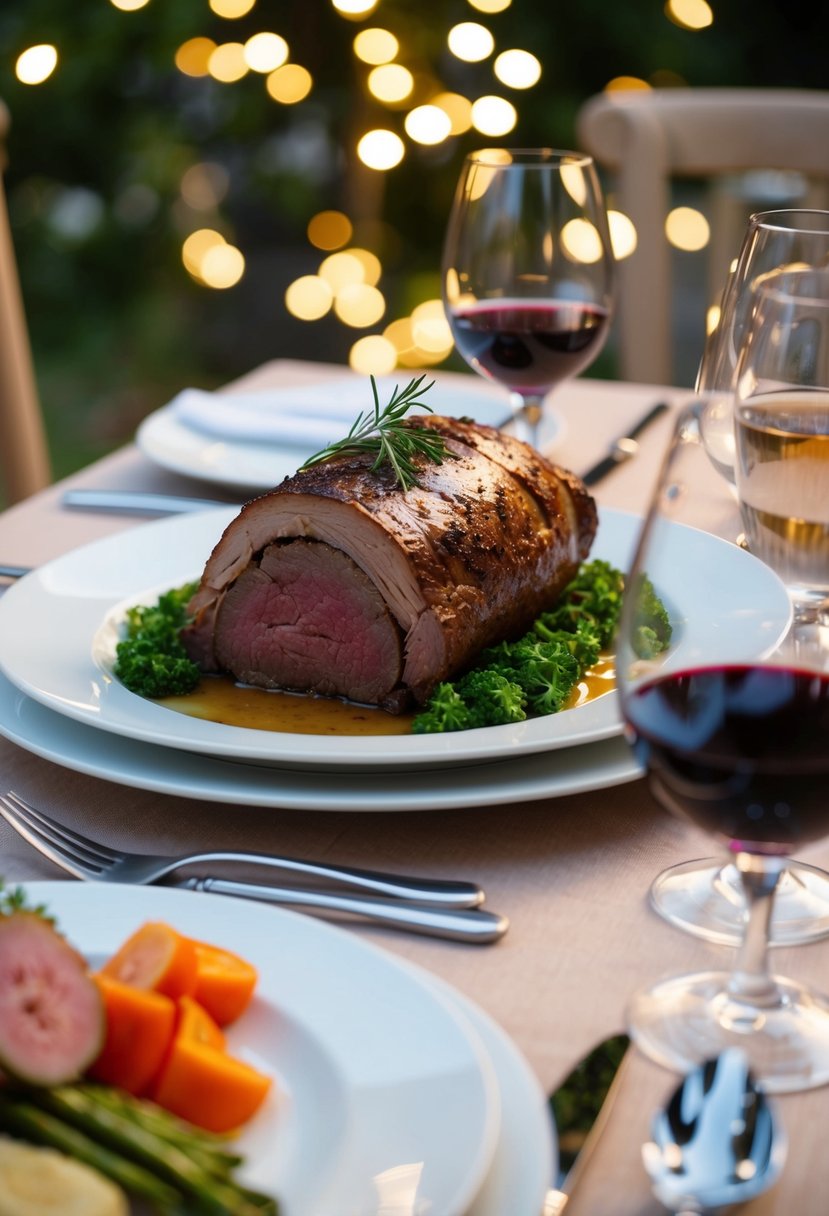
{"points": [[623, 448], [580, 1106], [138, 502]]}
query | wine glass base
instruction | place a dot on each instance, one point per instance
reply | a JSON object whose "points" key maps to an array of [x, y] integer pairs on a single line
{"points": [[689, 1018], [705, 898]]}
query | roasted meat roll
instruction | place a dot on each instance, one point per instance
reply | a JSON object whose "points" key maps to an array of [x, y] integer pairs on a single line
{"points": [[340, 583]]}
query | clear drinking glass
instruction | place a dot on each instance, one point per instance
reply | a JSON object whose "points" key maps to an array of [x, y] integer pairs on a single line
{"points": [[731, 726], [702, 896], [528, 271], [773, 240]]}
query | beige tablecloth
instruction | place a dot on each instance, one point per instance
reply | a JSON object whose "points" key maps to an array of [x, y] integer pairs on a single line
{"points": [[571, 873]]}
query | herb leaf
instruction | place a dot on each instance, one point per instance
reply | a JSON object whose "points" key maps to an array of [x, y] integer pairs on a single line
{"points": [[384, 433]]}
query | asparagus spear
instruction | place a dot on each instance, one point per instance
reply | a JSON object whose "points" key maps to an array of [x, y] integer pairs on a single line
{"points": [[28, 1122], [214, 1195]]}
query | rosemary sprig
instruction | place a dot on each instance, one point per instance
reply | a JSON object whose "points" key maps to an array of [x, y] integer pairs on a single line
{"points": [[384, 432]]}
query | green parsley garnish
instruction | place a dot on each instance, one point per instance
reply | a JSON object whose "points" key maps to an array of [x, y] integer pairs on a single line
{"points": [[385, 433]]}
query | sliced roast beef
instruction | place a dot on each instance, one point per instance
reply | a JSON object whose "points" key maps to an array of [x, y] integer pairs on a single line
{"points": [[341, 583]]}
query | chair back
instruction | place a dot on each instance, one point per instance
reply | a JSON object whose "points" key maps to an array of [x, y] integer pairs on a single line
{"points": [[646, 138], [24, 457]]}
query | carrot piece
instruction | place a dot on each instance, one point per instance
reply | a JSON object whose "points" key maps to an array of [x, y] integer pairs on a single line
{"points": [[194, 1022], [224, 982], [208, 1087], [156, 957], [139, 1030]]}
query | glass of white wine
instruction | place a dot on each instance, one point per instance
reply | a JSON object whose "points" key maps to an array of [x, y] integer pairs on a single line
{"points": [[781, 432]]}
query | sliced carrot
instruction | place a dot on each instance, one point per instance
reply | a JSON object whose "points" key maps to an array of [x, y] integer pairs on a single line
{"points": [[139, 1030], [224, 982], [194, 1022], [208, 1087], [156, 957]]}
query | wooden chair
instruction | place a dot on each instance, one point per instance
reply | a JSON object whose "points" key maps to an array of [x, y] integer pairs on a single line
{"points": [[644, 139], [24, 457]]}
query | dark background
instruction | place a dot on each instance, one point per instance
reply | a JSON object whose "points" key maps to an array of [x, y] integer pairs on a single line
{"points": [[117, 324]]}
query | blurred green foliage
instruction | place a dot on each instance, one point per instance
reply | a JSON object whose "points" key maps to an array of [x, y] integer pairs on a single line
{"points": [[96, 155]]}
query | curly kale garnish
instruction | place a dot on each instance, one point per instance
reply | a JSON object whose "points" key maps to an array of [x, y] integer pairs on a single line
{"points": [[151, 660]]}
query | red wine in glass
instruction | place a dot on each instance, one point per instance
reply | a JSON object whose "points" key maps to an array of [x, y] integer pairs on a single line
{"points": [[741, 751], [529, 346]]}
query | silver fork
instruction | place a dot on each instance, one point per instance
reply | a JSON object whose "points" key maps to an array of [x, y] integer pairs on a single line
{"points": [[432, 906]]}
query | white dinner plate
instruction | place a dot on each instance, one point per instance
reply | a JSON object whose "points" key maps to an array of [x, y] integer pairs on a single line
{"points": [[193, 775], [383, 1089], [254, 466], [59, 626]]}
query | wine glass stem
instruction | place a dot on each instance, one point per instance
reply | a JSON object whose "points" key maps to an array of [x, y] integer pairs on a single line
{"points": [[751, 981], [527, 413]]}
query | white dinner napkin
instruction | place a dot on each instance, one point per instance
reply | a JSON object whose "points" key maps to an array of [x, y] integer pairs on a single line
{"points": [[310, 416]]}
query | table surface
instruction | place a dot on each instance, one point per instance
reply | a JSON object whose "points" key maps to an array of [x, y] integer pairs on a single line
{"points": [[571, 873]]}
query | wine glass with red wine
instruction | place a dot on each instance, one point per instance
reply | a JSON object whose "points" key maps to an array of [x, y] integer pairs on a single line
{"points": [[731, 722], [528, 271]]}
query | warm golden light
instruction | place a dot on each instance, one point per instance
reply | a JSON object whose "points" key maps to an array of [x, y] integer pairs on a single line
{"points": [[687, 229], [227, 63], [376, 46], [517, 69], [128, 6], [372, 268], [265, 52], [36, 63], [458, 108], [390, 82], [381, 149], [231, 9], [222, 266], [689, 14], [493, 115], [470, 41], [428, 125], [354, 9], [329, 230], [373, 355], [359, 305], [622, 84], [196, 245], [342, 270], [309, 297], [193, 56], [622, 234], [430, 329], [490, 6], [581, 241], [712, 318], [203, 186], [289, 84]]}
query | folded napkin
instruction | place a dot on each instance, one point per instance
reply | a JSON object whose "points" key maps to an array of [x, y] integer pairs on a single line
{"points": [[308, 417]]}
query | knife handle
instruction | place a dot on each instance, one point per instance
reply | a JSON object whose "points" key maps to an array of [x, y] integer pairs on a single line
{"points": [[475, 926]]}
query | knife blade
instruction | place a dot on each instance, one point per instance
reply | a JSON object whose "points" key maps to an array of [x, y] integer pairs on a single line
{"points": [[138, 502], [580, 1107], [624, 447]]}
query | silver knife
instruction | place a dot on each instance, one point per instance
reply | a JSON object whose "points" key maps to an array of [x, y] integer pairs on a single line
{"points": [[139, 502], [475, 926], [580, 1107], [623, 448]]}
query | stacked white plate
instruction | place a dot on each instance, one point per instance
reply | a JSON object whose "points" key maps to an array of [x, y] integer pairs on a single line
{"points": [[393, 1095]]}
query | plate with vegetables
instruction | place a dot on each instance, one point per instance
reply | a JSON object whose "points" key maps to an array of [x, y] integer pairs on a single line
{"points": [[187, 1053], [61, 626]]}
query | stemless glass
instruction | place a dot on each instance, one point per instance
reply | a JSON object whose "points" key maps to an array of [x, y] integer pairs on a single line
{"points": [[527, 271], [773, 240], [702, 896], [731, 726]]}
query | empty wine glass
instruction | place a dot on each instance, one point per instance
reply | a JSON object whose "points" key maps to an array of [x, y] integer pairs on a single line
{"points": [[702, 896], [732, 731], [527, 271]]}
